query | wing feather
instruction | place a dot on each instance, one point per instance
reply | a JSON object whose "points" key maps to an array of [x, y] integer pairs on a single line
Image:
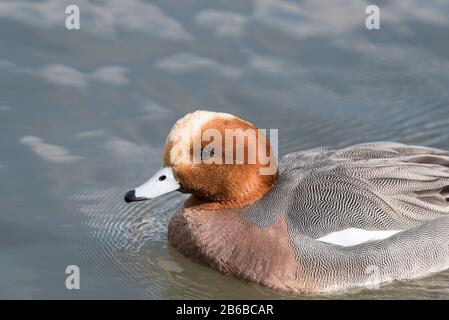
{"points": [[373, 186]]}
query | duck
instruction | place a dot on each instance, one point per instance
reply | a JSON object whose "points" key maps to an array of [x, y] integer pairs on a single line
{"points": [[312, 221]]}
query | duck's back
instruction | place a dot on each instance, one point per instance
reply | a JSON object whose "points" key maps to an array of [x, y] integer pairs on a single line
{"points": [[336, 201]]}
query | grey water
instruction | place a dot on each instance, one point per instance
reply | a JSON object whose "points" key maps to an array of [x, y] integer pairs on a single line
{"points": [[84, 115]]}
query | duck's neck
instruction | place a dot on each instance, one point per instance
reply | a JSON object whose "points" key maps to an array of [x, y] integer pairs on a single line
{"points": [[246, 193]]}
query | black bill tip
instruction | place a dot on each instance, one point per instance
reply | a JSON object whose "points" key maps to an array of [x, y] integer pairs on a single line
{"points": [[130, 196]]}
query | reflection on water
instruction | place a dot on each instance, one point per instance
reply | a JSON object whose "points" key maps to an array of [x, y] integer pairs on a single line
{"points": [[84, 115]]}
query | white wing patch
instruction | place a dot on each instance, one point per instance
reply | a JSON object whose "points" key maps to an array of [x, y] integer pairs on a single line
{"points": [[352, 236]]}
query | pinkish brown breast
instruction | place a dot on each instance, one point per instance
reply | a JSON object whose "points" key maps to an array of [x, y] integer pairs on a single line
{"points": [[222, 241]]}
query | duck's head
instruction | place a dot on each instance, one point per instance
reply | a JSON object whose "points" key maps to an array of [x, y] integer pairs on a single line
{"points": [[222, 160]]}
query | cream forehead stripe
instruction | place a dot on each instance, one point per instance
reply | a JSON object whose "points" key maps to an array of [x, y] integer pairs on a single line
{"points": [[186, 130], [191, 122]]}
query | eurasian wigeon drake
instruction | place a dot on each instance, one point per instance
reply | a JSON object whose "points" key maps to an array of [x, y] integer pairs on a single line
{"points": [[323, 219]]}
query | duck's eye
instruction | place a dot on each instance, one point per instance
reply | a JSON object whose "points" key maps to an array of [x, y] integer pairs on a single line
{"points": [[162, 178], [207, 153]]}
